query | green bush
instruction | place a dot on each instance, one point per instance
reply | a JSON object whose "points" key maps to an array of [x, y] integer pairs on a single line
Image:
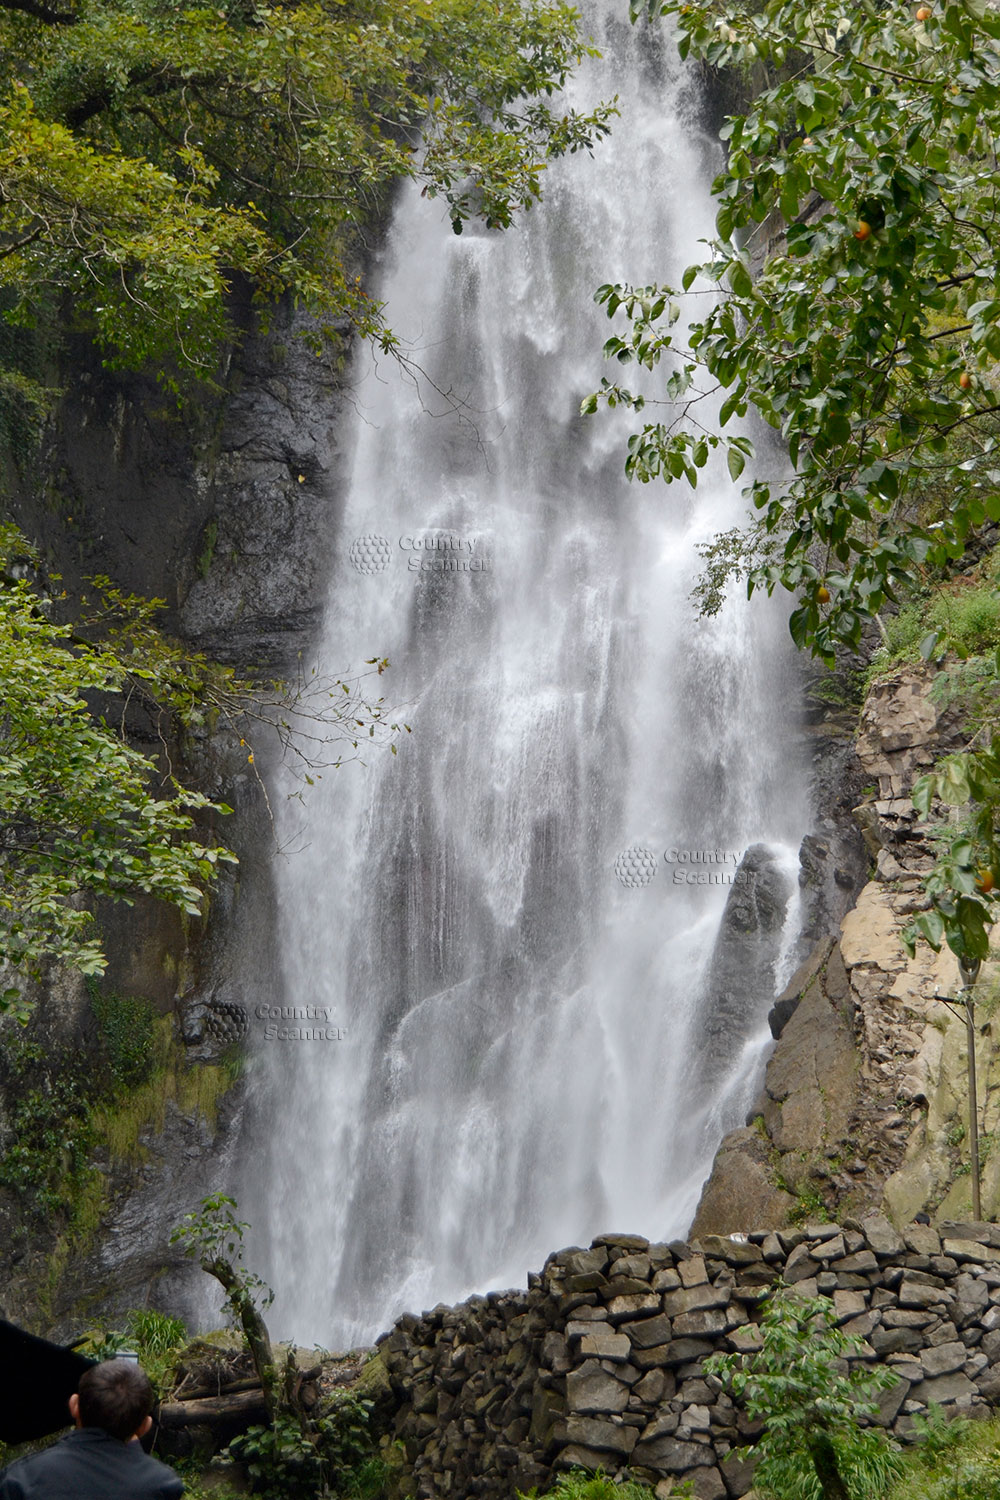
{"points": [[284, 1463], [156, 1337], [155, 1332], [125, 1027], [952, 1461], [579, 1485], [812, 1401], [968, 618], [965, 618], [345, 1436], [905, 631], [46, 1164], [280, 1461]]}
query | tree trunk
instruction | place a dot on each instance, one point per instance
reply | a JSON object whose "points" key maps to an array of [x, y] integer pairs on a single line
{"points": [[245, 1405], [824, 1457], [254, 1328]]}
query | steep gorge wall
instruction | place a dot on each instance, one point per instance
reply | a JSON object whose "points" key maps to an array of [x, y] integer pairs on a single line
{"points": [[864, 1096], [222, 508], [599, 1363]]}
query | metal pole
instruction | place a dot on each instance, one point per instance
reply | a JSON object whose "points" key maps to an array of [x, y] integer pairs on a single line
{"points": [[969, 975]]}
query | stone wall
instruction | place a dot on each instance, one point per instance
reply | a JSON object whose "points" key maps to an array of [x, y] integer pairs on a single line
{"points": [[599, 1363]]}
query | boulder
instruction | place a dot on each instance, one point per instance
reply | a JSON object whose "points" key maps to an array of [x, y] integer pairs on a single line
{"points": [[670, 1455], [946, 1390], [607, 1437], [601, 1345], [648, 1332], [741, 1190], [694, 1299], [592, 1389]]}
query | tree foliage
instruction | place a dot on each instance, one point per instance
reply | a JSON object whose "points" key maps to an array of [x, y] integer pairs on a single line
{"points": [[849, 297], [151, 156], [83, 814], [812, 1447], [151, 152], [853, 348]]}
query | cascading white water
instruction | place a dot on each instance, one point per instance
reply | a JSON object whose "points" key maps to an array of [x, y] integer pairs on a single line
{"points": [[523, 1064]]}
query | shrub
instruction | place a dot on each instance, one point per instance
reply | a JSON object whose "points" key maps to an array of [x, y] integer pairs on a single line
{"points": [[156, 1337], [284, 1463], [280, 1461], [956, 1460], [967, 618], [579, 1485], [812, 1445]]}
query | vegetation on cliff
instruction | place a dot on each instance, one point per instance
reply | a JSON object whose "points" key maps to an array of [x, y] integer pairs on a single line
{"points": [[85, 814], [850, 299], [75, 1140], [150, 153], [152, 158]]}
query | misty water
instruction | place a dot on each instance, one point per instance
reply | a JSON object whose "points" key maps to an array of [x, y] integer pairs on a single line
{"points": [[523, 1062]]}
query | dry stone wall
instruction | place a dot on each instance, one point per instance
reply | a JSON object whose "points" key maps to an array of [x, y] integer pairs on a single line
{"points": [[599, 1363]]}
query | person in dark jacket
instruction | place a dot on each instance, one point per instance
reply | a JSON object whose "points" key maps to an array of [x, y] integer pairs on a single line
{"points": [[101, 1459]]}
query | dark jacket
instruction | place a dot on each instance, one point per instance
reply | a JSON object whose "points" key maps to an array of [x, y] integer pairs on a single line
{"points": [[89, 1464]]}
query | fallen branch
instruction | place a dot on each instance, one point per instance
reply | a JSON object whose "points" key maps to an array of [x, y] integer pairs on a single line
{"points": [[214, 1410]]}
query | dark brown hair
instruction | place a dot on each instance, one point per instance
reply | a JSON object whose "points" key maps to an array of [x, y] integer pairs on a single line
{"points": [[115, 1396]]}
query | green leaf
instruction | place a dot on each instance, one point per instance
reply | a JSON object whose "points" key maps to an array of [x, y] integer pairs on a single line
{"points": [[740, 279]]}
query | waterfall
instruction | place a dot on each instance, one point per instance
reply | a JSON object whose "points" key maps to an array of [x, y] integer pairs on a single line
{"points": [[505, 920]]}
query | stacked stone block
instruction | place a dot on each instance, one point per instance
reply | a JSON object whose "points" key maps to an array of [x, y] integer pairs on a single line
{"points": [[599, 1364]]}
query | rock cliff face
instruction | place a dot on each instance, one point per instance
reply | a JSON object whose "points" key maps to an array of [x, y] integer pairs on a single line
{"points": [[600, 1362], [864, 1096], [222, 509], [742, 973]]}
